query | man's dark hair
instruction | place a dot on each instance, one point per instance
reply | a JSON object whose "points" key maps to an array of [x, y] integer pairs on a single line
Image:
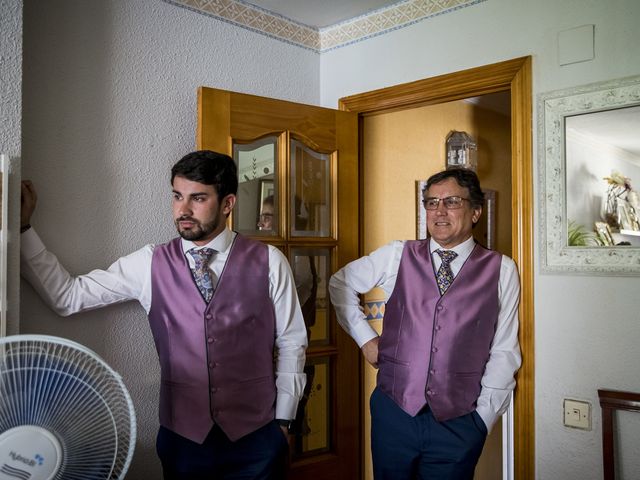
{"points": [[465, 178], [209, 168], [268, 200]]}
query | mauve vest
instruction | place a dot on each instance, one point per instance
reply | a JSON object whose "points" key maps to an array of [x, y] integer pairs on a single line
{"points": [[433, 349], [216, 360]]}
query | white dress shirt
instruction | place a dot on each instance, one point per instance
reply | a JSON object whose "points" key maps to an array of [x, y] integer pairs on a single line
{"points": [[380, 269], [129, 278]]}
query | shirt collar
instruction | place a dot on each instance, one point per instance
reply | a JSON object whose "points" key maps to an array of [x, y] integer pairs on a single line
{"points": [[463, 249], [220, 244]]}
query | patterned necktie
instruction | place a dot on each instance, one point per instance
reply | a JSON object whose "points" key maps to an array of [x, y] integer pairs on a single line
{"points": [[445, 275], [201, 272]]}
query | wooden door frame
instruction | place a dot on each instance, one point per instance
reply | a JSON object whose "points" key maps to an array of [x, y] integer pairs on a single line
{"points": [[512, 76]]}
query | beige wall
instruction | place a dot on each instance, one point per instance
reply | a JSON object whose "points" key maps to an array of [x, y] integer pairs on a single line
{"points": [[402, 147]]}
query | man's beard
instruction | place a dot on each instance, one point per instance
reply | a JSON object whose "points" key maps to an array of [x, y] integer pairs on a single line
{"points": [[199, 230]]}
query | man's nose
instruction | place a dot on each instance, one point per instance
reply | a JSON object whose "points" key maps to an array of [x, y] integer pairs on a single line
{"points": [[184, 208]]}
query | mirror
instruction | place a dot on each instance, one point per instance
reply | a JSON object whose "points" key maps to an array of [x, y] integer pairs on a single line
{"points": [[589, 171], [256, 205]]}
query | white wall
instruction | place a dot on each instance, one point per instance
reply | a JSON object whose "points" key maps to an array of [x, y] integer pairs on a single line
{"points": [[109, 105], [10, 130], [586, 327]]}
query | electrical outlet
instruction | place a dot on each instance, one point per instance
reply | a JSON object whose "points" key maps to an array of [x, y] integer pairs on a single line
{"points": [[577, 414]]}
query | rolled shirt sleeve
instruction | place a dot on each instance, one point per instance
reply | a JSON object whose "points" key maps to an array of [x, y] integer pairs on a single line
{"points": [[504, 361], [290, 336]]}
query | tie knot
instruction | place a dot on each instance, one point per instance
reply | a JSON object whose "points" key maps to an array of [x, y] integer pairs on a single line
{"points": [[447, 255], [202, 256]]}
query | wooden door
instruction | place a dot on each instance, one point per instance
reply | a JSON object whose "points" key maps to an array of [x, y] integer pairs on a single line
{"points": [[298, 191]]}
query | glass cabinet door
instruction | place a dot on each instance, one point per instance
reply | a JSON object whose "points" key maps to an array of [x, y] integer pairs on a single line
{"points": [[256, 211], [311, 194]]}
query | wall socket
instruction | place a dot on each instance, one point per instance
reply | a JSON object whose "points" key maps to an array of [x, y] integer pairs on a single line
{"points": [[577, 414]]}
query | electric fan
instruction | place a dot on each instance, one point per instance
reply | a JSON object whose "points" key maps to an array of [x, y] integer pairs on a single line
{"points": [[64, 413]]}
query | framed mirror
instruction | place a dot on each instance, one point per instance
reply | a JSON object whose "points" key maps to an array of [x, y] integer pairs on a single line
{"points": [[589, 177]]}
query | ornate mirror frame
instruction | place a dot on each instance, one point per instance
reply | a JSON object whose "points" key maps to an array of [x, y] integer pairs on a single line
{"points": [[553, 108]]}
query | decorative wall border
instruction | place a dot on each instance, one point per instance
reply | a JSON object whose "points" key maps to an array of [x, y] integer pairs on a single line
{"points": [[372, 24]]}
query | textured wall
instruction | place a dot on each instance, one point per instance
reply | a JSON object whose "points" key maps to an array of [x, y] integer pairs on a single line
{"points": [[10, 124], [109, 106], [586, 327], [10, 75]]}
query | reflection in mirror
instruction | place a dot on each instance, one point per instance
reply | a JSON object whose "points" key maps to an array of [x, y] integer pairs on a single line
{"points": [[311, 195], [312, 426], [603, 166], [255, 211], [310, 271], [588, 168]]}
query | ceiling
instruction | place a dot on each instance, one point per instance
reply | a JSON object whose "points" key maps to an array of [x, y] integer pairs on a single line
{"points": [[618, 127], [320, 14]]}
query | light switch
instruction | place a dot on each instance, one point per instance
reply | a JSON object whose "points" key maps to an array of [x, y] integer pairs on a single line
{"points": [[577, 414]]}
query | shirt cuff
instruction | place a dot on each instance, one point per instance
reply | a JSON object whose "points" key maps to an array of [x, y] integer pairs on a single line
{"points": [[362, 333], [30, 244], [488, 417], [286, 406]]}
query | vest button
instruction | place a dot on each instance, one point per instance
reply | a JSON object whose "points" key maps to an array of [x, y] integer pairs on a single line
{"points": [[434, 349], [440, 307], [210, 340], [438, 327], [429, 392], [432, 371], [214, 390], [209, 316]]}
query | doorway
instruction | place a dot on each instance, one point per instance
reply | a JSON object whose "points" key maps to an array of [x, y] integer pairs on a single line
{"points": [[513, 77]]}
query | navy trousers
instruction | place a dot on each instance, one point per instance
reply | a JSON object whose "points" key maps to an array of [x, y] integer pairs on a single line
{"points": [[261, 455], [411, 448]]}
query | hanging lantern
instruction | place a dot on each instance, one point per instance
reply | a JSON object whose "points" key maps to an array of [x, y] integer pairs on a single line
{"points": [[462, 151]]}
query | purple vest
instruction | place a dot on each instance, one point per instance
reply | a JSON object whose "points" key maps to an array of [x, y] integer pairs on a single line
{"points": [[216, 360], [433, 349]]}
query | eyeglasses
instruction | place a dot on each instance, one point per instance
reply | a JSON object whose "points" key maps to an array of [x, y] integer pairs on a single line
{"points": [[450, 203], [263, 217]]}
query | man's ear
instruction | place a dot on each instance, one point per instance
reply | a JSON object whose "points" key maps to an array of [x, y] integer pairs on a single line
{"points": [[477, 212], [228, 202]]}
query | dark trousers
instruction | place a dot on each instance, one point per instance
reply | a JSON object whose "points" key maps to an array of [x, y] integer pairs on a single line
{"points": [[261, 455], [410, 448]]}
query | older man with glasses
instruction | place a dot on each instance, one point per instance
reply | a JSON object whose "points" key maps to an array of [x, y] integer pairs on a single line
{"points": [[449, 349]]}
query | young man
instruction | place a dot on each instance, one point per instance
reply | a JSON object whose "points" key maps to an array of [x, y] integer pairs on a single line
{"points": [[219, 306], [449, 348]]}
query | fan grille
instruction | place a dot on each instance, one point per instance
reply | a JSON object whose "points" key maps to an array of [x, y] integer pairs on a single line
{"points": [[68, 390]]}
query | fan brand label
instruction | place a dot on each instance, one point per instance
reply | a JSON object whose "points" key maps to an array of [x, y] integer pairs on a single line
{"points": [[19, 458]]}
